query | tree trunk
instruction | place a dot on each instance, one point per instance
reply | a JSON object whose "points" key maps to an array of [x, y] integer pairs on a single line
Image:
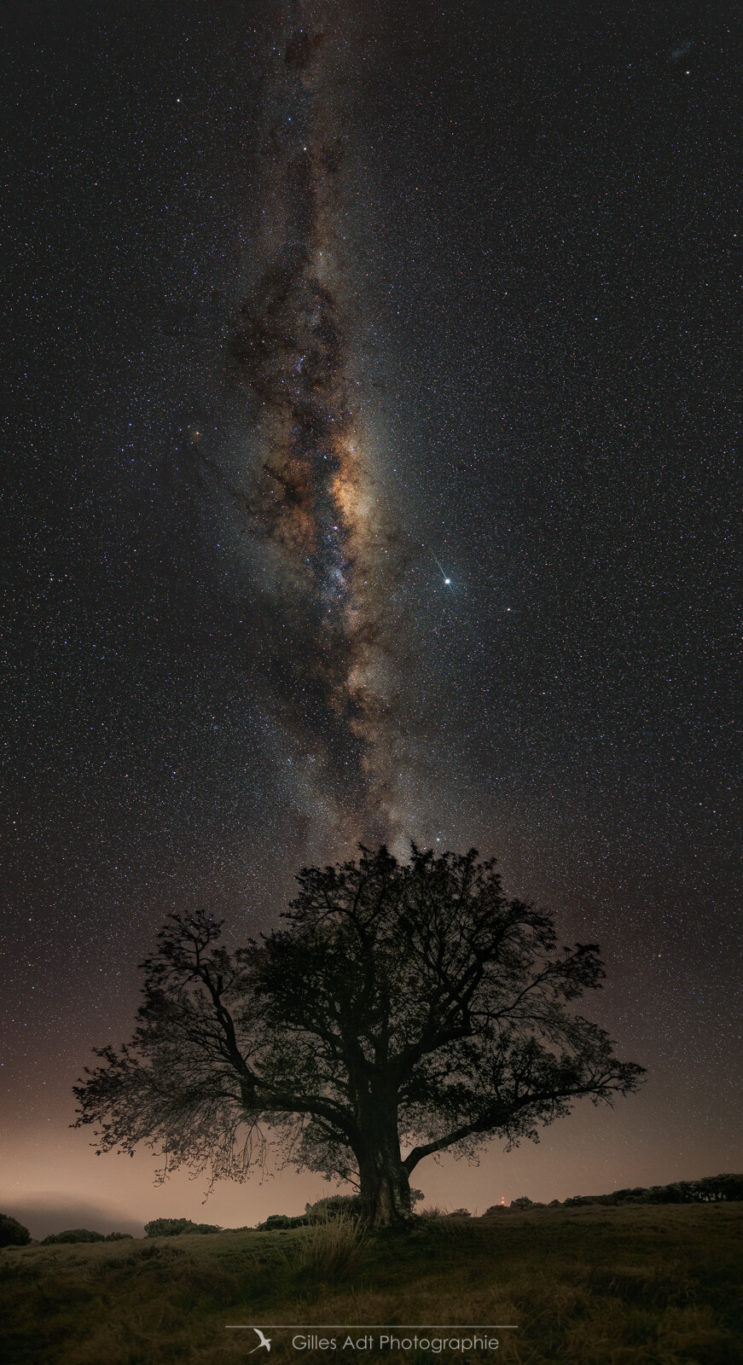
{"points": [[385, 1194], [384, 1183]]}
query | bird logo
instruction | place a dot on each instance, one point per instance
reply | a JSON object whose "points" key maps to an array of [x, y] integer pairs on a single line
{"points": [[264, 1341]]}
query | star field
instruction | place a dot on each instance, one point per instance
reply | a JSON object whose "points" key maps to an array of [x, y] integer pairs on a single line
{"points": [[538, 225]]}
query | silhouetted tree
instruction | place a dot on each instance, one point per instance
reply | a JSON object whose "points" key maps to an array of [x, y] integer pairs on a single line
{"points": [[721, 1187], [13, 1233], [402, 1006]]}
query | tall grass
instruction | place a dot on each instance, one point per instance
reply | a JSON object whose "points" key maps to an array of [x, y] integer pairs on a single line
{"points": [[331, 1247], [642, 1286]]}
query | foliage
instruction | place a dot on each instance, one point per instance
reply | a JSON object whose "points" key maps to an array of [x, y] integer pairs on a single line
{"points": [[13, 1233], [73, 1235], [401, 1004], [279, 1222], [334, 1206], [173, 1227], [711, 1189]]}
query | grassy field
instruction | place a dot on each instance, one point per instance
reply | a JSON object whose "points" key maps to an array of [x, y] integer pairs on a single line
{"points": [[591, 1286]]}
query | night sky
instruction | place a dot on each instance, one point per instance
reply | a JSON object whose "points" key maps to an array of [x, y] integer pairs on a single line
{"points": [[480, 260]]}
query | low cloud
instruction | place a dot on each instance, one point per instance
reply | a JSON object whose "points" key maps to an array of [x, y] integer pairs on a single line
{"points": [[44, 1214]]}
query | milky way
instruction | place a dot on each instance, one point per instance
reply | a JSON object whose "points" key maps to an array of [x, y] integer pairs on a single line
{"points": [[312, 497]]}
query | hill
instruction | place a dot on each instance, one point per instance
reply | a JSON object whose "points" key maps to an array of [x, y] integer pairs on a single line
{"points": [[592, 1285]]}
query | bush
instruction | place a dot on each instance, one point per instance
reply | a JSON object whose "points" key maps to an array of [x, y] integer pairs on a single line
{"points": [[119, 1237], [343, 1206], [13, 1233], [277, 1222], [334, 1206], [73, 1235], [173, 1227]]}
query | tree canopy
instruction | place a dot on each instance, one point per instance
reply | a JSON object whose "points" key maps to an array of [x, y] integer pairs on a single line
{"points": [[13, 1233], [400, 1010]]}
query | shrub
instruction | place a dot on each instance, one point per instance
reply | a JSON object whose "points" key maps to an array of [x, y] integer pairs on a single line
{"points": [[73, 1235], [276, 1222], [343, 1206], [334, 1206], [13, 1233], [173, 1227], [119, 1237]]}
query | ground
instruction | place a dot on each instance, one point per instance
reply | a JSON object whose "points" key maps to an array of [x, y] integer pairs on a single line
{"points": [[593, 1286]]}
